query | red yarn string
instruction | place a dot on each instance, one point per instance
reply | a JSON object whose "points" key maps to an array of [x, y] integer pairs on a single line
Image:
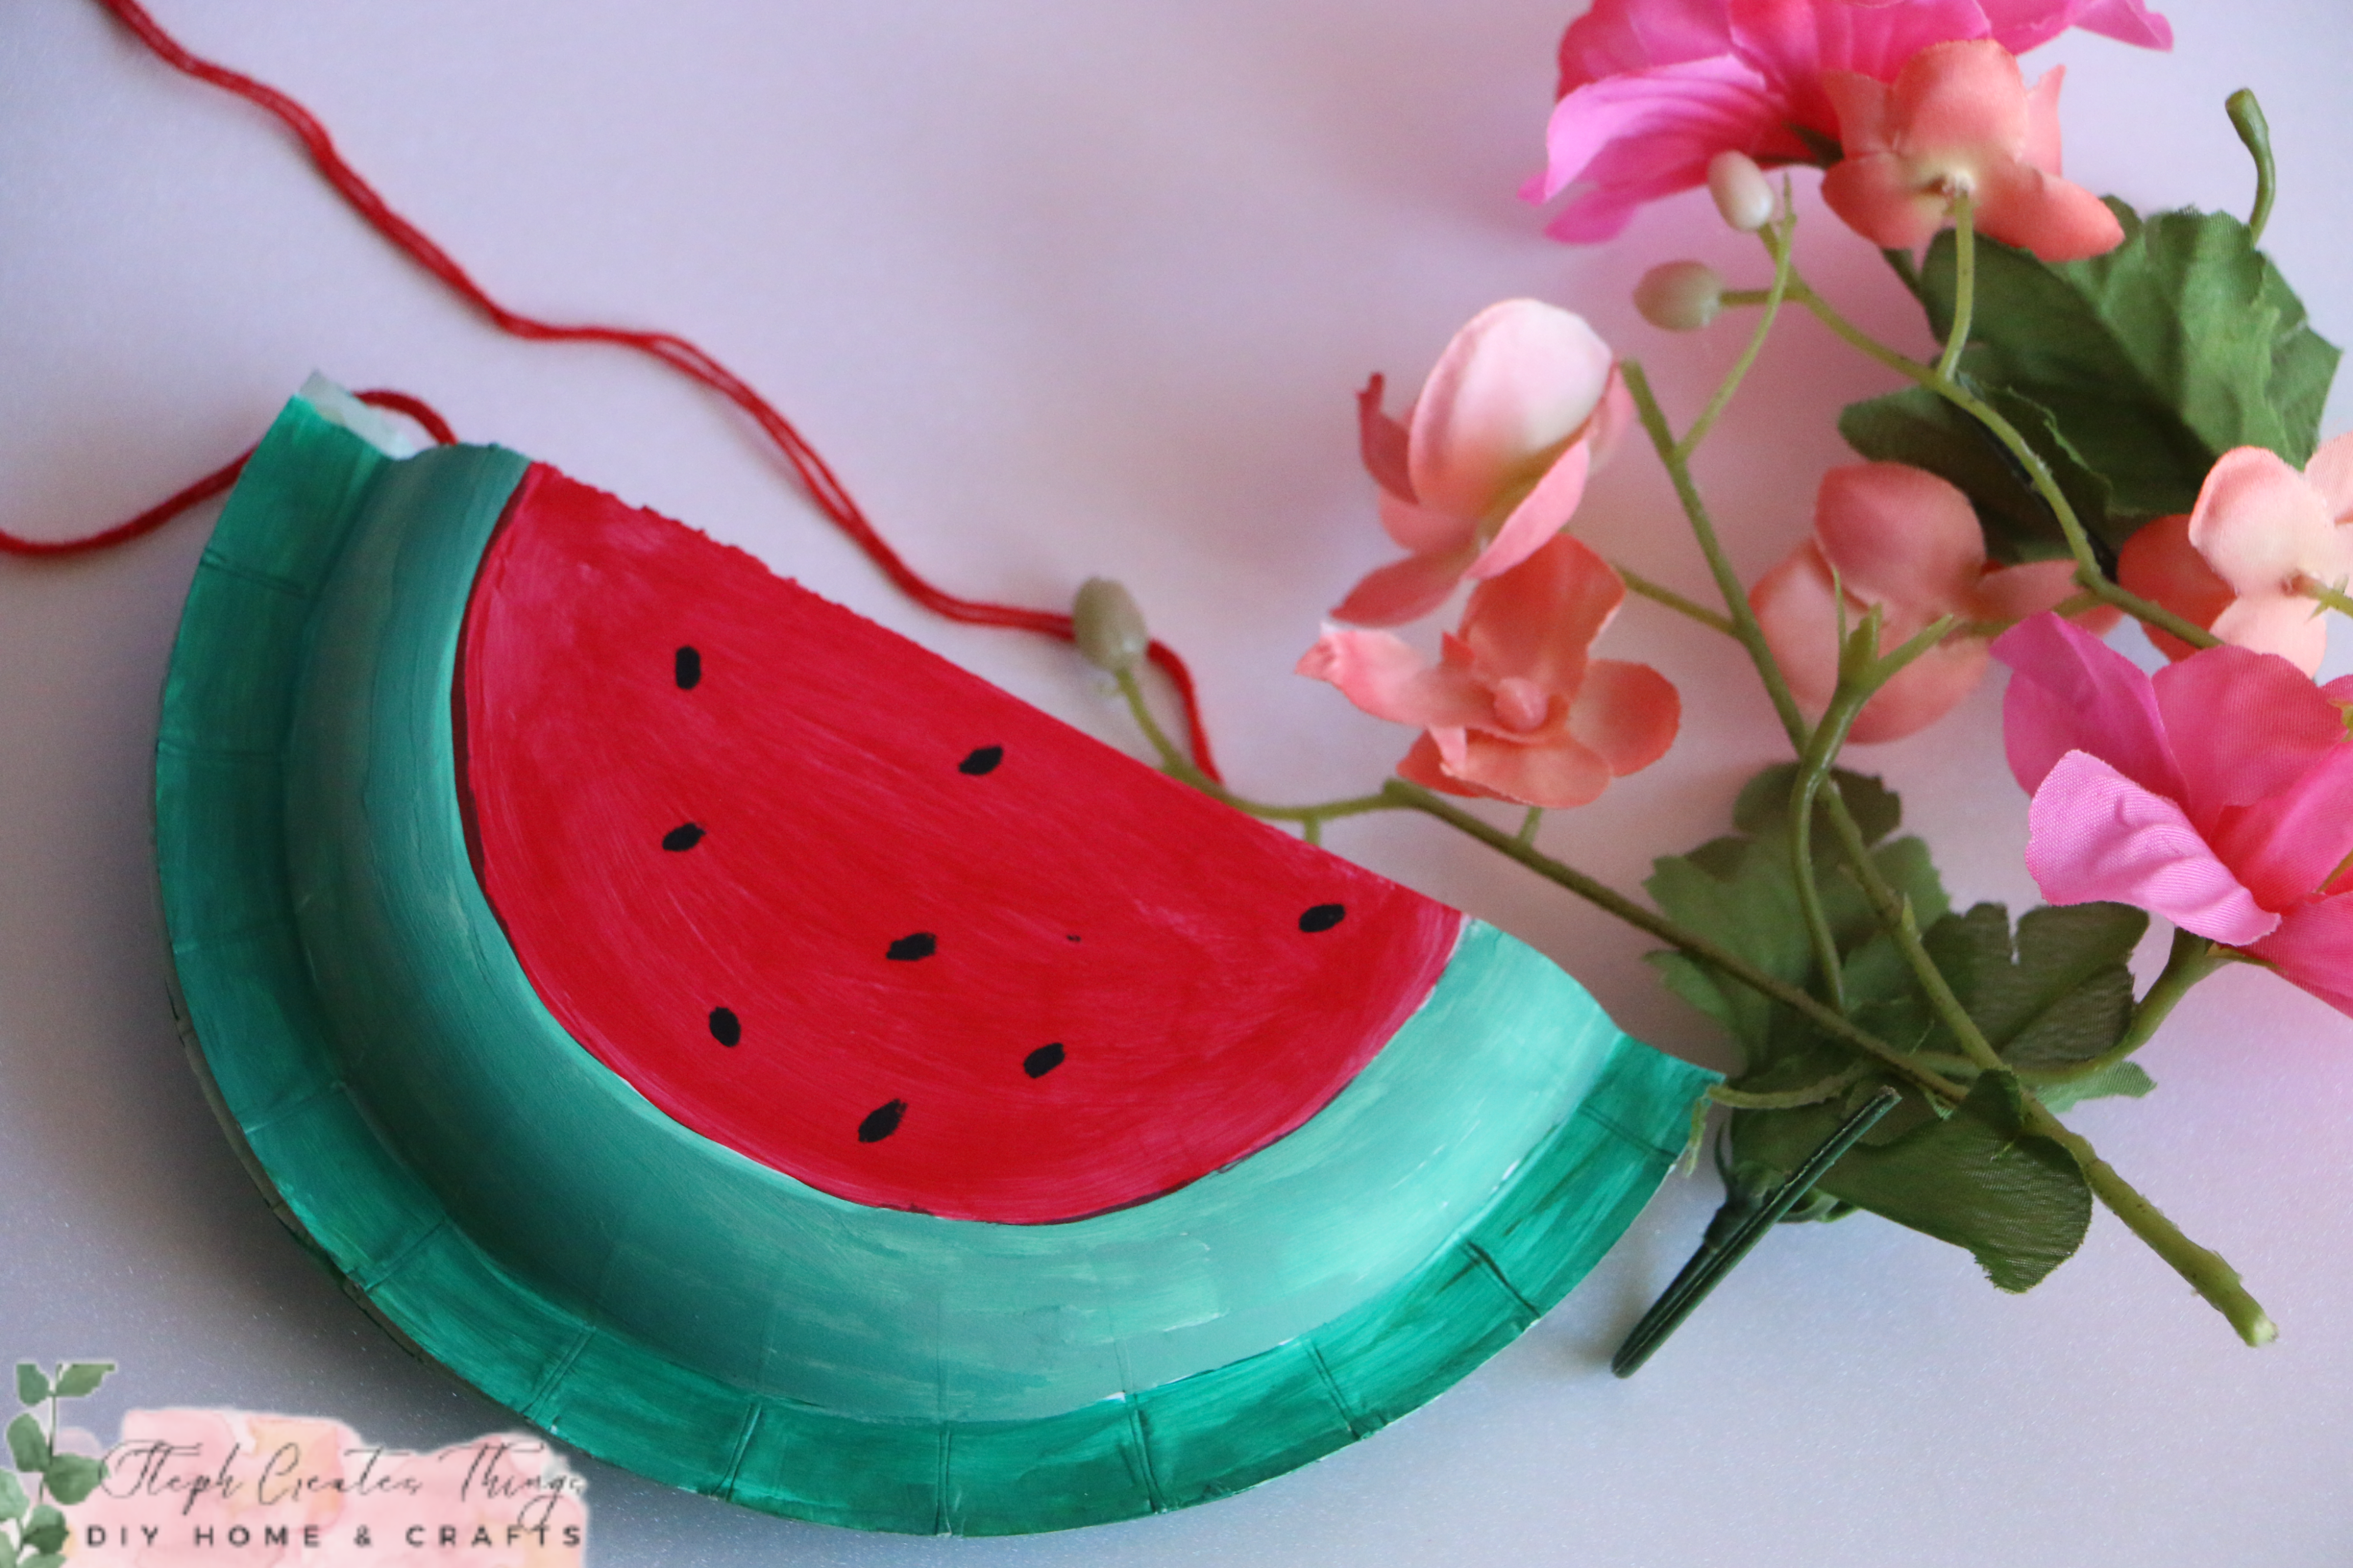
{"points": [[211, 484], [824, 487]]}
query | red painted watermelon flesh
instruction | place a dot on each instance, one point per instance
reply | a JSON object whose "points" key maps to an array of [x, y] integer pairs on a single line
{"points": [[835, 904]]}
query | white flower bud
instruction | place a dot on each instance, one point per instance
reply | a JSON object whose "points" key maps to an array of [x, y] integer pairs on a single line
{"points": [[1109, 629], [1742, 195], [1681, 296]]}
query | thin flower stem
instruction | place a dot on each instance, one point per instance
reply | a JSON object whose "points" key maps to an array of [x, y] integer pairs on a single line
{"points": [[2206, 1270], [1830, 1088], [2192, 959], [1660, 595], [1180, 767], [2088, 575], [1777, 242], [2335, 597], [1744, 624], [1836, 1025], [1965, 285], [1529, 824]]}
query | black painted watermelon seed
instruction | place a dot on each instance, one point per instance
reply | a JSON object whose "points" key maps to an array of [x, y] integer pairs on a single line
{"points": [[1072, 937], [981, 760], [922, 944], [1322, 917], [725, 1027], [685, 836], [688, 668], [882, 1122], [1042, 1060]]}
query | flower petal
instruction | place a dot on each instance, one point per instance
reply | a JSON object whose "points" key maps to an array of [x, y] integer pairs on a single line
{"points": [[1402, 590], [1965, 99], [1536, 620], [1383, 674], [2331, 473], [1427, 532], [2245, 727], [1625, 713], [1923, 692], [2126, 21], [1877, 196], [1515, 383], [2260, 523], [2094, 834], [1900, 536], [1545, 511], [2070, 692], [2313, 948], [1797, 604], [2287, 624], [1681, 114], [2014, 593], [1382, 440], [2056, 219], [2158, 563], [2284, 848], [1558, 772]]}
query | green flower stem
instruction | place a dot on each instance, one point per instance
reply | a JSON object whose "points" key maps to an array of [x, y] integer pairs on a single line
{"points": [[2255, 132], [1830, 1088], [1861, 672], [1830, 1022], [2334, 598], [1529, 824], [2088, 575], [1179, 767], [2207, 1272], [1775, 237], [1965, 285], [1743, 626], [2192, 959], [1659, 593]]}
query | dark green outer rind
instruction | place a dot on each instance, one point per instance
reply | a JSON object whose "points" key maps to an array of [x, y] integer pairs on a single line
{"points": [[269, 1066]]}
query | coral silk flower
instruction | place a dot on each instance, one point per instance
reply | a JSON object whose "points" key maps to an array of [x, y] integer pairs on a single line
{"points": [[1515, 709], [1958, 121], [2218, 794], [1904, 539], [1494, 458], [1650, 91], [2268, 531]]}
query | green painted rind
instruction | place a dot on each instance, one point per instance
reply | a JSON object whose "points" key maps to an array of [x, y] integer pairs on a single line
{"points": [[1048, 1376]]}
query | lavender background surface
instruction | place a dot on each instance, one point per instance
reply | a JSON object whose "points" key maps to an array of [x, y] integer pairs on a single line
{"points": [[1067, 289]]}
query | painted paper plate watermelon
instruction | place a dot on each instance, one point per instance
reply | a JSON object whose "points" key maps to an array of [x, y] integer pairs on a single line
{"points": [[776, 1061]]}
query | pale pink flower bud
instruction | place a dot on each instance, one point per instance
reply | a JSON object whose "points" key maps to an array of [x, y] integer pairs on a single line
{"points": [[1681, 296], [1742, 195]]}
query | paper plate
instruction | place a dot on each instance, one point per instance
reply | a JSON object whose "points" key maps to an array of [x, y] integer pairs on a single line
{"points": [[513, 1208]]}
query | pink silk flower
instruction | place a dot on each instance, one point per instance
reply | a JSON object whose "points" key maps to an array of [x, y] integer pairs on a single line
{"points": [[1904, 540], [2218, 794], [1494, 458], [1515, 709], [1651, 90], [2239, 564], [1958, 120]]}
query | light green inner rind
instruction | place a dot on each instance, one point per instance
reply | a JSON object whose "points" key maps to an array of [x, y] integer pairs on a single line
{"points": [[679, 1310]]}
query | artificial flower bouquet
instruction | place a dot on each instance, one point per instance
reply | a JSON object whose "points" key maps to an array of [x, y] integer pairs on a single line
{"points": [[2122, 422]]}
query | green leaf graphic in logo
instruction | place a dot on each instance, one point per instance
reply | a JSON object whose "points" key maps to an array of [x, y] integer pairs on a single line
{"points": [[32, 1387]]}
